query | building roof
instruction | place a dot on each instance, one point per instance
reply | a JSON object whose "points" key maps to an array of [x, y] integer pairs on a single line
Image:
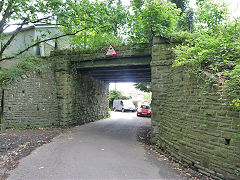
{"points": [[33, 26]]}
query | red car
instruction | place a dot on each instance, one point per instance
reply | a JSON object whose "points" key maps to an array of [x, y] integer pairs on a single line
{"points": [[144, 110]]}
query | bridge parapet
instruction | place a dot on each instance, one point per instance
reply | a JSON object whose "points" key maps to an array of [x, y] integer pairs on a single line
{"points": [[139, 50]]}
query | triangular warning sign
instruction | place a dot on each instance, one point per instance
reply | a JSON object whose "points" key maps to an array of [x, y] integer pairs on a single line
{"points": [[111, 51]]}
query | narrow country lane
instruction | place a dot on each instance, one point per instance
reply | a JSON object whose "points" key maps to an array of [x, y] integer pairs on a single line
{"points": [[106, 149]]}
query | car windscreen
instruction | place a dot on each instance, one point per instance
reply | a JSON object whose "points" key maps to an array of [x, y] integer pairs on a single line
{"points": [[145, 107]]}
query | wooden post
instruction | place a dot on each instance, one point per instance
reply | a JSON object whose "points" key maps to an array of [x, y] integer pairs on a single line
{"points": [[2, 113]]}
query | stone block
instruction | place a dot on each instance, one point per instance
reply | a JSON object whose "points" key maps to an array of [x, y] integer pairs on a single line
{"points": [[159, 40], [233, 114]]}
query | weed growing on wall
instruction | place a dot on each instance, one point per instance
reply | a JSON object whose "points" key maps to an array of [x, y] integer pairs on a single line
{"points": [[158, 144], [237, 171], [24, 66]]}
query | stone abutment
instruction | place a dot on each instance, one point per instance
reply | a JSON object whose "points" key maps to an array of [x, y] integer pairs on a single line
{"points": [[191, 123]]}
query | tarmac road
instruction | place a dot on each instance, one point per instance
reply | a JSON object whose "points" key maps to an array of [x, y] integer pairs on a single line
{"points": [[106, 149]]}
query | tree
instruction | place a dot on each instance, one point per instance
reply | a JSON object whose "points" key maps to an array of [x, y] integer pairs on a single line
{"points": [[72, 17], [210, 14], [143, 86], [137, 4], [110, 15], [155, 18], [186, 22], [147, 97], [115, 94], [181, 4]]}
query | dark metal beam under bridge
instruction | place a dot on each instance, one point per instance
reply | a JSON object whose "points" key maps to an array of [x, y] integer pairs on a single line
{"points": [[132, 73]]}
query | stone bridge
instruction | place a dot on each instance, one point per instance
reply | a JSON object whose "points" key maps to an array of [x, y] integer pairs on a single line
{"points": [[190, 123], [130, 65], [82, 80]]}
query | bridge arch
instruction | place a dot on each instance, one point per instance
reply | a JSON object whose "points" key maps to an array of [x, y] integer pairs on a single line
{"points": [[193, 127], [85, 77]]}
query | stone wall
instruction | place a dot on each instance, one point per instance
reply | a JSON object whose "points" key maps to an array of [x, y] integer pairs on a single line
{"points": [[57, 97], [31, 100], [65, 90], [91, 99], [192, 124], [81, 98]]}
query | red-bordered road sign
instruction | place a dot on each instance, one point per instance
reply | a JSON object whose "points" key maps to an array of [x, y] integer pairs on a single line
{"points": [[111, 51]]}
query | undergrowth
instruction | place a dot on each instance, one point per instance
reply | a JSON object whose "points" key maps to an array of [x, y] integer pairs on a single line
{"points": [[24, 66], [216, 54]]}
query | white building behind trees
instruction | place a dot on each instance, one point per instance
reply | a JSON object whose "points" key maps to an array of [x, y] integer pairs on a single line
{"points": [[32, 34]]}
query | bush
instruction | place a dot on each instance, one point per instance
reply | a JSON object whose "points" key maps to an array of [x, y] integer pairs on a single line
{"points": [[214, 49]]}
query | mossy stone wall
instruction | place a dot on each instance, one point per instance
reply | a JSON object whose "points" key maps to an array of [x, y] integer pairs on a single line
{"points": [[81, 98], [190, 123], [59, 96], [30, 101]]}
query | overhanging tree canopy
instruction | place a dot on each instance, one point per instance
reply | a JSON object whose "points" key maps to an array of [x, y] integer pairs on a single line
{"points": [[72, 17]]}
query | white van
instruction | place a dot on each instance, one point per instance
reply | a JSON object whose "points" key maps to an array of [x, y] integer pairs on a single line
{"points": [[123, 105]]}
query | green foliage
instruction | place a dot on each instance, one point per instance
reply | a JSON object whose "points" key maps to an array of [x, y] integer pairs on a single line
{"points": [[155, 18], [232, 87], [95, 41], [237, 171], [115, 94], [147, 97], [29, 10], [158, 144], [92, 22], [143, 86], [137, 4], [211, 14], [108, 116], [23, 66], [213, 49], [18, 127], [181, 4], [100, 23]]}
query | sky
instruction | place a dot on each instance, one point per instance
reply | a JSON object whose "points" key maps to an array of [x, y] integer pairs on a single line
{"points": [[122, 86]]}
